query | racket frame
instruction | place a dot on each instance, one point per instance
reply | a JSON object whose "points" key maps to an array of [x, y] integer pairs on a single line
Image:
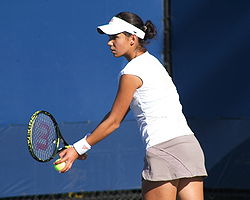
{"points": [[57, 130]]}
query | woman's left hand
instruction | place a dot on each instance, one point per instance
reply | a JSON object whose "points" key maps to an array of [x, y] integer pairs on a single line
{"points": [[69, 156]]}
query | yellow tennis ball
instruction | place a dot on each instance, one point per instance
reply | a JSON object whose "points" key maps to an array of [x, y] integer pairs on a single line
{"points": [[59, 166]]}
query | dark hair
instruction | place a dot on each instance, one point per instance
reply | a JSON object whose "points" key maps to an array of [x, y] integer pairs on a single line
{"points": [[148, 27]]}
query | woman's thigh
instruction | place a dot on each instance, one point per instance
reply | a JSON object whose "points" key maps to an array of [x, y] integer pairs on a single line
{"points": [[190, 188], [159, 190]]}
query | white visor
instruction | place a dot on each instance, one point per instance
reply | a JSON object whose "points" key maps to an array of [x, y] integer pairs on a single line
{"points": [[117, 25]]}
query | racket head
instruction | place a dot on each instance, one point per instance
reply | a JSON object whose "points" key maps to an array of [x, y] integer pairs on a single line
{"points": [[43, 136]]}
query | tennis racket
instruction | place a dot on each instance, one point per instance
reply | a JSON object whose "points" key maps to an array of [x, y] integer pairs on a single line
{"points": [[44, 138]]}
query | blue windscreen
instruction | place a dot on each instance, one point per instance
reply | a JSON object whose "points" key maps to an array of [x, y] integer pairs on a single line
{"points": [[52, 58], [210, 45]]}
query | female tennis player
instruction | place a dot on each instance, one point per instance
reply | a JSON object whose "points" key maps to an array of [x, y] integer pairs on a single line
{"points": [[174, 161]]}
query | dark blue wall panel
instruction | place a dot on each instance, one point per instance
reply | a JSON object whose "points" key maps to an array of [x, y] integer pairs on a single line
{"points": [[210, 59], [210, 56]]}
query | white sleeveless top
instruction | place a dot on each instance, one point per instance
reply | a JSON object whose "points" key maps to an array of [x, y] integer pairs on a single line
{"points": [[156, 104]]}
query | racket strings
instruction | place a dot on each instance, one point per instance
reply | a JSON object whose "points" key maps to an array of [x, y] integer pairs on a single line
{"points": [[44, 137]]}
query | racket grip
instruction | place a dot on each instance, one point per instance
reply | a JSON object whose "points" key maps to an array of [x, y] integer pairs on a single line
{"points": [[65, 147]]}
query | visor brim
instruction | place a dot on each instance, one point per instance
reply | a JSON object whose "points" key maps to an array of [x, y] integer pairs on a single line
{"points": [[109, 29]]}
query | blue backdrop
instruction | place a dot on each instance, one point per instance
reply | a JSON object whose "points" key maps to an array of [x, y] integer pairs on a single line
{"points": [[210, 48], [52, 58], [210, 57]]}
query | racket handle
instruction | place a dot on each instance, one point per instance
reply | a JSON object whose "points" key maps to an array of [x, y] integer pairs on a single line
{"points": [[65, 147]]}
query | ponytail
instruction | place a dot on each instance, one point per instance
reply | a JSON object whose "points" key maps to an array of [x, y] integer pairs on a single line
{"points": [[150, 30]]}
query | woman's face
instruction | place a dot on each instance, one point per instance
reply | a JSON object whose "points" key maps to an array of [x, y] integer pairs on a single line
{"points": [[120, 45]]}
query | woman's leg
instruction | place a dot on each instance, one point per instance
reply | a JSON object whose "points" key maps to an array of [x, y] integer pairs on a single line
{"points": [[190, 188], [159, 190]]}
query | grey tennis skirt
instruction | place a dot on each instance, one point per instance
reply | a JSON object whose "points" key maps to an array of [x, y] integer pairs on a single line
{"points": [[181, 157]]}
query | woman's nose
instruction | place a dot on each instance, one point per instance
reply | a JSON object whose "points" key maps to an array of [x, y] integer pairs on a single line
{"points": [[110, 43]]}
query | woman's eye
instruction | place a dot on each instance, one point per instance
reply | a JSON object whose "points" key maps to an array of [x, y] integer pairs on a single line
{"points": [[113, 37]]}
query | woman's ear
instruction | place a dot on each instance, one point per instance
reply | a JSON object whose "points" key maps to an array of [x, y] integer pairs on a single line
{"points": [[132, 40]]}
